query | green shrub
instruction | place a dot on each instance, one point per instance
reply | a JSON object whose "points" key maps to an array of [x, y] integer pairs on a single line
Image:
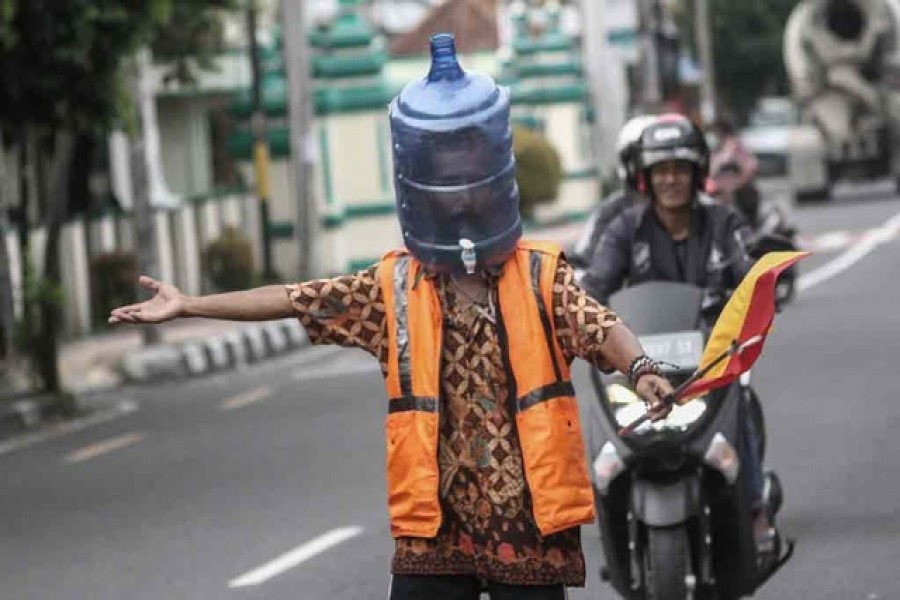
{"points": [[538, 169], [115, 282], [228, 261]]}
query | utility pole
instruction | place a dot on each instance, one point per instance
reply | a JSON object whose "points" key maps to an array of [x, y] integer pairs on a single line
{"points": [[7, 302], [607, 83], [142, 217], [260, 143], [650, 25], [703, 33], [300, 120]]}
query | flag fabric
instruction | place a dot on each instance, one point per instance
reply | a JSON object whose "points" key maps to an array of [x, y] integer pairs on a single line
{"points": [[747, 315]]}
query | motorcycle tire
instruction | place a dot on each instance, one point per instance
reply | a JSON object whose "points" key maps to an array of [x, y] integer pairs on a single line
{"points": [[666, 563]]}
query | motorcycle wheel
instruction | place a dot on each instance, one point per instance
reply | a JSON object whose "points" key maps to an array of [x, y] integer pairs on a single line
{"points": [[666, 563]]}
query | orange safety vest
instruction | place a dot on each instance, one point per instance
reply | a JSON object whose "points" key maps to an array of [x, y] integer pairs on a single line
{"points": [[546, 409]]}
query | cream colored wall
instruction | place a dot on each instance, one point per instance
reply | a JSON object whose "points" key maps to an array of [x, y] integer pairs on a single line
{"points": [[577, 195], [283, 207], [563, 126], [370, 237], [353, 158], [185, 145], [360, 174], [333, 252]]}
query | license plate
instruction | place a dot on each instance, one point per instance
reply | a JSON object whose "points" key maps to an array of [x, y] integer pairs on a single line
{"points": [[683, 348]]}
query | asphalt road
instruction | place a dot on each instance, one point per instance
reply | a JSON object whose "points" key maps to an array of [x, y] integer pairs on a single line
{"points": [[199, 490]]}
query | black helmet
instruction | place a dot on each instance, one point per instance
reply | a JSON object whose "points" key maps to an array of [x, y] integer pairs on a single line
{"points": [[674, 137], [454, 170]]}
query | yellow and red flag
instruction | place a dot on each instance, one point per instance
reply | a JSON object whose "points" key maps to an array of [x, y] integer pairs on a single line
{"points": [[745, 320]]}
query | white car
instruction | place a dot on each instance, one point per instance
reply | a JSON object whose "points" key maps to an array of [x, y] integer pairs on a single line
{"points": [[791, 156]]}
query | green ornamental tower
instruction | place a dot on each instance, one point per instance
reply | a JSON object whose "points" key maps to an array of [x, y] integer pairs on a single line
{"points": [[353, 184], [546, 76]]}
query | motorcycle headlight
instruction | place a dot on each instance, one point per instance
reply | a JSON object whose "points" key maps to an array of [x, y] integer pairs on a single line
{"points": [[628, 407]]}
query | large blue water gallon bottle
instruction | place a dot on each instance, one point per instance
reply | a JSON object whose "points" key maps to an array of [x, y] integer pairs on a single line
{"points": [[454, 171]]}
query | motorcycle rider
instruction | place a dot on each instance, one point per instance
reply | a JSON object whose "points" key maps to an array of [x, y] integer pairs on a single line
{"points": [[623, 197], [732, 171], [678, 236]]}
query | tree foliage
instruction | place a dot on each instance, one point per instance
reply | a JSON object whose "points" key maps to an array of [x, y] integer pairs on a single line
{"points": [[65, 71], [747, 41], [538, 168], [192, 37], [61, 61]]}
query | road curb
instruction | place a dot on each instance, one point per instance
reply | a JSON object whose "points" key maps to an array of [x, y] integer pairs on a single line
{"points": [[223, 352]]}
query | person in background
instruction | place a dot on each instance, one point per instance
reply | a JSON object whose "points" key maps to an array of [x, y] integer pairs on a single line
{"points": [[474, 329], [733, 172]]}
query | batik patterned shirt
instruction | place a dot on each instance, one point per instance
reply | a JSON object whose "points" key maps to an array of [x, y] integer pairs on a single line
{"points": [[487, 529]]}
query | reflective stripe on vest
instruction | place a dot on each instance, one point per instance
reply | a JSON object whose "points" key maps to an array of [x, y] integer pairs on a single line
{"points": [[405, 400], [544, 407]]}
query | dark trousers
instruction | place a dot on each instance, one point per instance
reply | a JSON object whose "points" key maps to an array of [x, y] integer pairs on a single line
{"points": [[462, 587], [749, 453]]}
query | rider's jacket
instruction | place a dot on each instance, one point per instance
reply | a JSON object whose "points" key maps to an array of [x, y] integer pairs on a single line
{"points": [[636, 248], [542, 396], [613, 205]]}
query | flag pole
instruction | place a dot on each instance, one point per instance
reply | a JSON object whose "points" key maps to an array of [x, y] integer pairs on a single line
{"points": [[670, 399]]}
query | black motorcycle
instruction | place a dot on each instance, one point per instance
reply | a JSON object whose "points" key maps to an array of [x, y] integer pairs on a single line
{"points": [[674, 513]]}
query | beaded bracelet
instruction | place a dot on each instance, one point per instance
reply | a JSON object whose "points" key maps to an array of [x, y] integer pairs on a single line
{"points": [[640, 366]]}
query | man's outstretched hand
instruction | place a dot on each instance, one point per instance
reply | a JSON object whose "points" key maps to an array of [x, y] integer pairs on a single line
{"points": [[167, 304]]}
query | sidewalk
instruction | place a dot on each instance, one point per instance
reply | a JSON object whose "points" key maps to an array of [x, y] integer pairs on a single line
{"points": [[187, 347]]}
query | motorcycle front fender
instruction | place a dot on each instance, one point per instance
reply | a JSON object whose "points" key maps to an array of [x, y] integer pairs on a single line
{"points": [[663, 505]]}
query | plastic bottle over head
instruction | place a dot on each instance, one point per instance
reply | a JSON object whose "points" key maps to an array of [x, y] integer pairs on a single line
{"points": [[453, 164]]}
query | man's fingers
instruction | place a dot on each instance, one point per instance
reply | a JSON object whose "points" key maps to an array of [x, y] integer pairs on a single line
{"points": [[149, 283], [127, 308]]}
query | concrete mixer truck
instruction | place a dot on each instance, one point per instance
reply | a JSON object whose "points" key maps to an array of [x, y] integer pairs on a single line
{"points": [[843, 64]]}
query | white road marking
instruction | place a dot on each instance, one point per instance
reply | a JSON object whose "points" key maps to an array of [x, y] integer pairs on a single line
{"points": [[298, 555], [871, 240], [104, 447], [828, 242], [241, 400], [54, 431]]}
